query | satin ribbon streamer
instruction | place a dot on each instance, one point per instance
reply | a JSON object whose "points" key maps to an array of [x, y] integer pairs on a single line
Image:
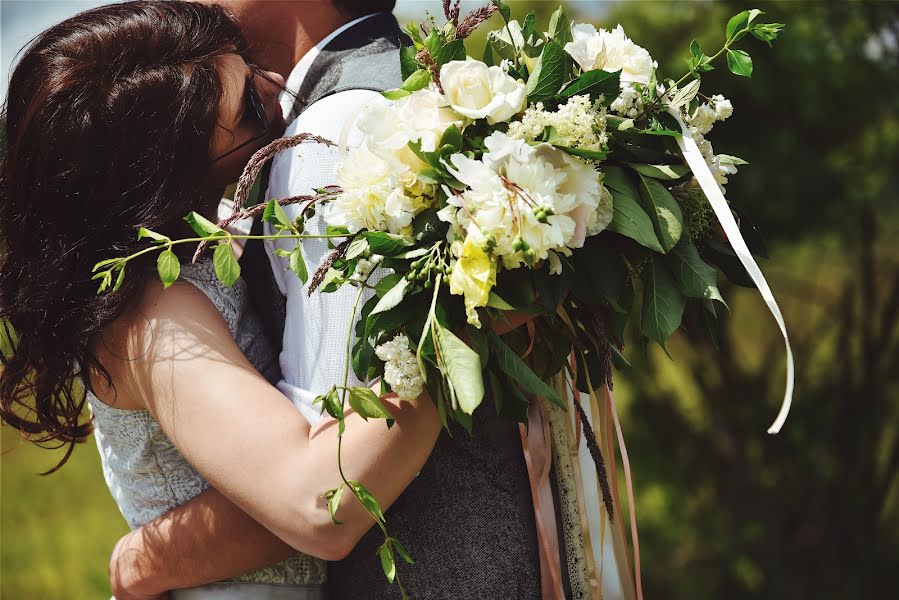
{"points": [[710, 187]]}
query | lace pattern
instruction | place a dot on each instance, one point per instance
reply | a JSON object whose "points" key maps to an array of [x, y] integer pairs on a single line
{"points": [[147, 475]]}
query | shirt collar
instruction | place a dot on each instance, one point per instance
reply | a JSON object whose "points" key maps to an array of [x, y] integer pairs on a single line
{"points": [[295, 80]]}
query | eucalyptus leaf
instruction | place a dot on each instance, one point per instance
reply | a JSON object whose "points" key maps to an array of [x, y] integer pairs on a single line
{"points": [[169, 267], [663, 304], [462, 367], [663, 210], [227, 269]]}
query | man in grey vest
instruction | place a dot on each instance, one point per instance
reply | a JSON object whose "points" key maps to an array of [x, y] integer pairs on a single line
{"points": [[467, 518]]}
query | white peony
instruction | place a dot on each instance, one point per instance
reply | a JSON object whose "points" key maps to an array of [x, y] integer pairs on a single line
{"points": [[422, 116], [511, 186], [374, 193], [610, 51], [480, 92]]}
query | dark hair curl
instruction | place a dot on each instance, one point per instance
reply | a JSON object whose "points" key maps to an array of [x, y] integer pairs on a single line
{"points": [[108, 124]]}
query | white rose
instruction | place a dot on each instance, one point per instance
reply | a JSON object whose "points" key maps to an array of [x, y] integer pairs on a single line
{"points": [[609, 51], [478, 91]]}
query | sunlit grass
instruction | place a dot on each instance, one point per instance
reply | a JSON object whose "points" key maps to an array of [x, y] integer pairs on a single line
{"points": [[56, 532]]}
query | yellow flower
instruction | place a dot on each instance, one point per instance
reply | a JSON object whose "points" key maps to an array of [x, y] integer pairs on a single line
{"points": [[473, 276]]}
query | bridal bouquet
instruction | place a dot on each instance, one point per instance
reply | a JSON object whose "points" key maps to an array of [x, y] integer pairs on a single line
{"points": [[527, 206]]}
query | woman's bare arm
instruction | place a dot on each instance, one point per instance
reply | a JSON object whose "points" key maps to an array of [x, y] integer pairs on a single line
{"points": [[252, 445]]}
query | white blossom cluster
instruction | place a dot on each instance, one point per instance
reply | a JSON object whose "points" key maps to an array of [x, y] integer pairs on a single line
{"points": [[701, 122], [629, 102], [400, 367], [578, 124]]}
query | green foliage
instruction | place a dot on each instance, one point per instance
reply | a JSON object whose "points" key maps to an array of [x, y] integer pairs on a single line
{"points": [[168, 266], [227, 269], [549, 73]]}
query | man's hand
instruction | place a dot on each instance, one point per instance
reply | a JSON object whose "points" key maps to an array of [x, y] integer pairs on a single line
{"points": [[129, 578]]}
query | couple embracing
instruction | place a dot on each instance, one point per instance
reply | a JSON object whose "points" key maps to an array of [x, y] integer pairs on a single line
{"points": [[133, 115]]}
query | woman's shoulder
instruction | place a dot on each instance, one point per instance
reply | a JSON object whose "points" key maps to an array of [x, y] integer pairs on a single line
{"points": [[161, 322]]}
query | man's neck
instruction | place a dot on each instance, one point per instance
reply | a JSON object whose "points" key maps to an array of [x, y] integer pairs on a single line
{"points": [[280, 36]]}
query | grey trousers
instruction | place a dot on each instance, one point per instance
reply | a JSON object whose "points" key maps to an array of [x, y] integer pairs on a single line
{"points": [[251, 591]]}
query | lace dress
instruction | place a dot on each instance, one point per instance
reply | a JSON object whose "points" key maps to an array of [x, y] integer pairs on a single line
{"points": [[148, 476]]}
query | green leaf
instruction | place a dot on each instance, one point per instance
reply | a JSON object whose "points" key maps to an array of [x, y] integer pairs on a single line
{"points": [[402, 551], [452, 137], [549, 73], [461, 366], [737, 25], [357, 247], [298, 263], [596, 83], [512, 365], [693, 276], [385, 244], [332, 404], [143, 232], [727, 159], [739, 63], [387, 562], [628, 217], [494, 301], [395, 94], [103, 263], [169, 267], [367, 500], [663, 172], [367, 404], [393, 297], [449, 52], [408, 64], [663, 304], [417, 80], [333, 497], [560, 28], [767, 32], [685, 94], [664, 211], [119, 280], [596, 155], [227, 269], [274, 215], [529, 26], [504, 9], [203, 226]]}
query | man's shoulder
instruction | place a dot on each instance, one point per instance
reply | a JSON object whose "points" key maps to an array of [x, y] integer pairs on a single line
{"points": [[330, 115]]}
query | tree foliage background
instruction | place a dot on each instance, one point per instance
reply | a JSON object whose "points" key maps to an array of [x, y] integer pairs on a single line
{"points": [[725, 510]]}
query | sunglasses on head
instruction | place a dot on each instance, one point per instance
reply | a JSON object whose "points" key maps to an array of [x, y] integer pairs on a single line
{"points": [[254, 109]]}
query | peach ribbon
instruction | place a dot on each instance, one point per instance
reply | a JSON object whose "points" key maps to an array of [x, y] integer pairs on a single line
{"points": [[536, 445]]}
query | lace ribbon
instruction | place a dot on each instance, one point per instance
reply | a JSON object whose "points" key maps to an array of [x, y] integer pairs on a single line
{"points": [[710, 187]]}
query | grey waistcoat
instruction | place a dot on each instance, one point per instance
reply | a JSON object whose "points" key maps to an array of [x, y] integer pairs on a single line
{"points": [[468, 518]]}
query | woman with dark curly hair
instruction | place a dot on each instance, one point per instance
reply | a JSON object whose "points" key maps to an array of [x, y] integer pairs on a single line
{"points": [[132, 115]]}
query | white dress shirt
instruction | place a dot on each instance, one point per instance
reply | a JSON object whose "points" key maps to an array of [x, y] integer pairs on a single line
{"points": [[313, 356]]}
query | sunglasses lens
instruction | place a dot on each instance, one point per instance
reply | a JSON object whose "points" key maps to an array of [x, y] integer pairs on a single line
{"points": [[256, 107]]}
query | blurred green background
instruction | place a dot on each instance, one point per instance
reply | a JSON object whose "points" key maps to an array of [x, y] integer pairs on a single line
{"points": [[725, 510]]}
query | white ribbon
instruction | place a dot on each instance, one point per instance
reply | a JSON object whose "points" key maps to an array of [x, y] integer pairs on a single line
{"points": [[708, 184]]}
